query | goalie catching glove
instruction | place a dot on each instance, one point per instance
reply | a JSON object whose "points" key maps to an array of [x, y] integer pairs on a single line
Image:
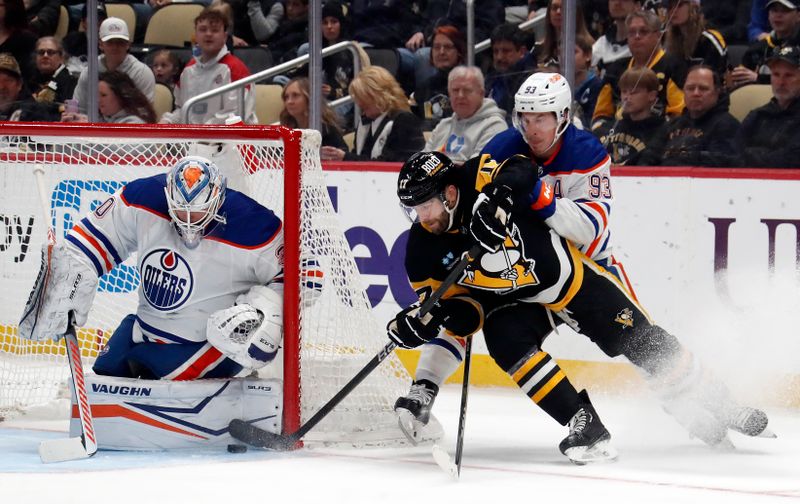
{"points": [[490, 214], [249, 332], [409, 330], [64, 284]]}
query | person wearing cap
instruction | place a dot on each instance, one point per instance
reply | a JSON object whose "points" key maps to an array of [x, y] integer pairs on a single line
{"points": [[215, 66], [12, 93], [114, 44], [768, 136], [784, 18]]}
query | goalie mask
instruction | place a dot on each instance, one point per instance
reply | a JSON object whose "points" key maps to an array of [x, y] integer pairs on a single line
{"points": [[195, 192], [543, 92], [424, 177]]}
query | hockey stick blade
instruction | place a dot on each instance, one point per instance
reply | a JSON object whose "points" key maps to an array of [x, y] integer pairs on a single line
{"points": [[444, 461], [259, 438], [62, 450]]}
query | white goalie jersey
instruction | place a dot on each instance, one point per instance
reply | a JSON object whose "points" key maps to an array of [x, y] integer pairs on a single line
{"points": [[180, 287]]}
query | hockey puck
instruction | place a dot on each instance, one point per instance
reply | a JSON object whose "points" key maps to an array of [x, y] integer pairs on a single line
{"points": [[237, 448]]}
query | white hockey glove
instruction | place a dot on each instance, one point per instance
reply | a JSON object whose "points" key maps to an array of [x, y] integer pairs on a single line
{"points": [[64, 284], [249, 333]]}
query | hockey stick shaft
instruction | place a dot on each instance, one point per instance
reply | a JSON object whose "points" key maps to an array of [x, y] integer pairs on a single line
{"points": [[462, 418], [258, 437], [55, 453]]}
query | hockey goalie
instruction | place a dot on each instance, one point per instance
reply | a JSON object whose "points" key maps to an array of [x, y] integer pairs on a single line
{"points": [[210, 308]]}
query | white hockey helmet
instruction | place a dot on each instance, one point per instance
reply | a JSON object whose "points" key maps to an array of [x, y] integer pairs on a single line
{"points": [[194, 186], [543, 92]]}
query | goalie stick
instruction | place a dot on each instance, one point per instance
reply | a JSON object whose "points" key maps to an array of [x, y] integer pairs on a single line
{"points": [[60, 450], [260, 438]]}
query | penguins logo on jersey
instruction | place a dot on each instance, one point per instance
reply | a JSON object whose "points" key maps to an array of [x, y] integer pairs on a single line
{"points": [[167, 279], [625, 317], [503, 271]]}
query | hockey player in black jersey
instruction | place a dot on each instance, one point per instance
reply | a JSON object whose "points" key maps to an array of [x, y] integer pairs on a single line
{"points": [[526, 266]]}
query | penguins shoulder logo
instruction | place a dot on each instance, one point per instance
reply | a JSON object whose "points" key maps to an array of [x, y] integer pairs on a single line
{"points": [[167, 279]]}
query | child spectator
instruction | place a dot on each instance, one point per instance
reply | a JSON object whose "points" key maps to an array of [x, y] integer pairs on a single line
{"points": [[637, 138], [166, 68], [212, 68], [587, 83], [296, 98], [387, 130]]}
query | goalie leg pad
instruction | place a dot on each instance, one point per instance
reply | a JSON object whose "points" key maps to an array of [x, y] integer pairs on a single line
{"points": [[133, 414]]}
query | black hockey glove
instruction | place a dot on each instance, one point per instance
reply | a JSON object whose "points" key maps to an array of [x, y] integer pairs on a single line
{"points": [[490, 215], [410, 331]]}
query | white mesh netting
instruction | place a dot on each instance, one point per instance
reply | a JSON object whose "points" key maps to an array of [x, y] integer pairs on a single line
{"points": [[338, 332]]}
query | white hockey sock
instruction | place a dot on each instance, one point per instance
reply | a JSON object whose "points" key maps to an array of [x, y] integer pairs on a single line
{"points": [[439, 359]]}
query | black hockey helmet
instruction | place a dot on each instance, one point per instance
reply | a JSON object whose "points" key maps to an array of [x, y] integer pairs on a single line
{"points": [[422, 177]]}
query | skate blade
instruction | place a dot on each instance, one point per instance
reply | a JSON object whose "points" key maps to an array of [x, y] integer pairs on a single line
{"points": [[409, 424], [444, 461], [601, 452]]}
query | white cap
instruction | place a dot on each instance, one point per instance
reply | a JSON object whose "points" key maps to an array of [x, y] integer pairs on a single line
{"points": [[114, 28]]}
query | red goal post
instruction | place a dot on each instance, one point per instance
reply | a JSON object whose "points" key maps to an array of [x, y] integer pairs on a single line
{"points": [[329, 331]]}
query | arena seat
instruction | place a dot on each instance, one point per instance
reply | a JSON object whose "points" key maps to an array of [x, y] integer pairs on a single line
{"points": [[172, 25], [268, 103], [386, 58], [256, 58], [124, 12], [746, 98], [164, 101], [63, 23]]}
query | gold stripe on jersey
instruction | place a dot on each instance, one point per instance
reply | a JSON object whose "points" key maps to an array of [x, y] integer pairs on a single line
{"points": [[602, 272], [487, 169], [538, 376], [577, 279]]}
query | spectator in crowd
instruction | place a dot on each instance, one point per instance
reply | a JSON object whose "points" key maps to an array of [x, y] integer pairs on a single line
{"points": [[448, 50], [547, 51], [784, 18], [644, 32], [15, 35], [758, 27], [75, 42], [705, 134], [595, 13], [215, 66], [255, 21], [291, 32], [512, 63], [51, 81], [119, 101], [729, 17], [114, 44], [296, 99], [688, 39], [613, 44], [638, 138], [475, 119], [436, 13], [587, 83], [166, 68], [768, 135], [43, 16], [13, 95], [387, 129]]}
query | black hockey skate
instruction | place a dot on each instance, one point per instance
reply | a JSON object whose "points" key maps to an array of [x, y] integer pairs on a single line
{"points": [[588, 440], [414, 409]]}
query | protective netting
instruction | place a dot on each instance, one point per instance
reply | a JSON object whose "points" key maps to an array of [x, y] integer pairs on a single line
{"points": [[338, 333]]}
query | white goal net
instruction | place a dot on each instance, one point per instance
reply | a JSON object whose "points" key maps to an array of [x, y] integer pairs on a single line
{"points": [[336, 331]]}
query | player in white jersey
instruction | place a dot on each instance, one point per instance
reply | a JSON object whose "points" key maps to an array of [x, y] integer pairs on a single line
{"points": [[210, 261]]}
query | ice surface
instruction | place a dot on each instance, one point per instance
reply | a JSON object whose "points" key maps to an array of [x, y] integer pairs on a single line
{"points": [[510, 455]]}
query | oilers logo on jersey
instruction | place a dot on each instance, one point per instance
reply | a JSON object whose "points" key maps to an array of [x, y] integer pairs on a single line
{"points": [[167, 279], [503, 271]]}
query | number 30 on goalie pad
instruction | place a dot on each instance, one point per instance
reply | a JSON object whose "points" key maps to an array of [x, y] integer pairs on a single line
{"points": [[133, 414]]}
